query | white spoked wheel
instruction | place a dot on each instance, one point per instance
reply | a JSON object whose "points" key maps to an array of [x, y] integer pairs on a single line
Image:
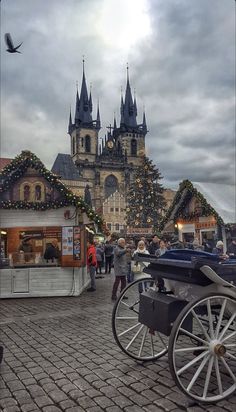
{"points": [[134, 338], [202, 348]]}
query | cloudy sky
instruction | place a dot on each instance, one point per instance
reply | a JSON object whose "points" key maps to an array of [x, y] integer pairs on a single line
{"points": [[181, 56]]}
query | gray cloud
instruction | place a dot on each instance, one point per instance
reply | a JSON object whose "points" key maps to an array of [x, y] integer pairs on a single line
{"points": [[183, 72]]}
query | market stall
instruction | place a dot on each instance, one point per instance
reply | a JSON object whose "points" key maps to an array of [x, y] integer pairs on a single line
{"points": [[43, 238]]}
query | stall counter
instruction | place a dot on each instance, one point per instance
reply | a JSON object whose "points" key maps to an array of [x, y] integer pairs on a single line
{"points": [[42, 281]]}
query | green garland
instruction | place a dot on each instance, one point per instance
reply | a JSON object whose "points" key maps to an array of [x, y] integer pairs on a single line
{"points": [[207, 209], [12, 172]]}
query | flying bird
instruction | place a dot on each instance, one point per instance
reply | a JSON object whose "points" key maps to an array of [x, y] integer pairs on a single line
{"points": [[10, 45]]}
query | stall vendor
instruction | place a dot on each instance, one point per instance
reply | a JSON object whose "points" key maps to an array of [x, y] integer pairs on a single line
{"points": [[27, 248]]}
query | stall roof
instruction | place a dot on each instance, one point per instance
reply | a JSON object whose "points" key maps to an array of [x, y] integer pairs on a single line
{"points": [[65, 168], [221, 197], [218, 200], [4, 161]]}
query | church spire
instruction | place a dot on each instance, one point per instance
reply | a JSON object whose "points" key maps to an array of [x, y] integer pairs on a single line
{"points": [[114, 124], [84, 109], [98, 121], [122, 120], [90, 100], [77, 104], [70, 125], [129, 107], [144, 125]]}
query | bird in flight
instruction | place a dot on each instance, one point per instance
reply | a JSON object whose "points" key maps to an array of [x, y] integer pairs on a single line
{"points": [[10, 45]]}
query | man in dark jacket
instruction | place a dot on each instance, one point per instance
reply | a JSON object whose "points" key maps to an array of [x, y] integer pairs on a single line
{"points": [[52, 251], [108, 251], [231, 252], [120, 266], [154, 245]]}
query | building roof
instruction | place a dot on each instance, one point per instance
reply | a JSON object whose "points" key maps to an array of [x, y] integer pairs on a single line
{"points": [[221, 197], [4, 161], [65, 168]]}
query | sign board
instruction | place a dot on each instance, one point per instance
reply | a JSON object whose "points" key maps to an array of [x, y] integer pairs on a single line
{"points": [[205, 225], [73, 246], [139, 230]]}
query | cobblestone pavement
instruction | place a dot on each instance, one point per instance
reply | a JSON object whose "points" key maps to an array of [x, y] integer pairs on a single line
{"points": [[60, 355]]}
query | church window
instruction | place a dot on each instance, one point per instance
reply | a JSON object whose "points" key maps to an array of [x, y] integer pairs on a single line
{"points": [[82, 142], [110, 185], [87, 144], [133, 147]]}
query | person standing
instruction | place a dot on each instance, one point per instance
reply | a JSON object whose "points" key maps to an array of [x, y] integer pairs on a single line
{"points": [[154, 245], [120, 266], [99, 256], [108, 251], [92, 264], [232, 249], [162, 248], [219, 250]]}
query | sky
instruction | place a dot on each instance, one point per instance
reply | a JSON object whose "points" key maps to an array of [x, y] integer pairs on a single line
{"points": [[181, 57]]}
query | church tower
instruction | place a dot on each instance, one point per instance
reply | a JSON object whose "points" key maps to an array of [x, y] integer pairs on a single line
{"points": [[84, 131], [130, 134]]}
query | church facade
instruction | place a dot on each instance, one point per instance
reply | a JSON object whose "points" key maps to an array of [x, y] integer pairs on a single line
{"points": [[107, 168]]}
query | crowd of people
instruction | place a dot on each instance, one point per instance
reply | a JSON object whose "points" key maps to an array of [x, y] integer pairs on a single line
{"points": [[120, 255]]}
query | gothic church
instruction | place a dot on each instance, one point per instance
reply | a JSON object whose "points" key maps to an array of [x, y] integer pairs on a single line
{"points": [[106, 168]]}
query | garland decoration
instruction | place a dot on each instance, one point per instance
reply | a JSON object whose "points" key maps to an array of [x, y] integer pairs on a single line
{"points": [[181, 201], [16, 169]]}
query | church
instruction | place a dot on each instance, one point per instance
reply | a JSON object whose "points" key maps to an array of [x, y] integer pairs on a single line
{"points": [[105, 169]]}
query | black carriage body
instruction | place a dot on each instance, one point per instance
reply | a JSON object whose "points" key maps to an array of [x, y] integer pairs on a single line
{"points": [[184, 266], [158, 311]]}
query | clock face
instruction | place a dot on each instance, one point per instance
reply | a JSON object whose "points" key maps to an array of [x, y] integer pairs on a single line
{"points": [[110, 144]]}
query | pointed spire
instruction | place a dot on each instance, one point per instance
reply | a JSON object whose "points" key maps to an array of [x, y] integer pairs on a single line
{"points": [[114, 124], [135, 104], [144, 125], [90, 100], [121, 108], [77, 104], [84, 109], [129, 109], [98, 121], [70, 123]]}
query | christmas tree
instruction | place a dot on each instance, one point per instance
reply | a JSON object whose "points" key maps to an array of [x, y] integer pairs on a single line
{"points": [[145, 201]]}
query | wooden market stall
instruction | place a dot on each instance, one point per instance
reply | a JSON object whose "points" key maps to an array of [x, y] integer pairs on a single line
{"points": [[37, 211], [201, 210]]}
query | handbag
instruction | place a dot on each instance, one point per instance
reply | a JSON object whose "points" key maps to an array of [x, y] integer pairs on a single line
{"points": [[137, 268]]}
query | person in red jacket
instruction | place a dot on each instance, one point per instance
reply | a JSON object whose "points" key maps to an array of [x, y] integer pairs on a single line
{"points": [[92, 264]]}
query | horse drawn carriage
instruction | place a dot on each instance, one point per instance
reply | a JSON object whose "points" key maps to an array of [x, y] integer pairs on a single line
{"points": [[186, 308]]}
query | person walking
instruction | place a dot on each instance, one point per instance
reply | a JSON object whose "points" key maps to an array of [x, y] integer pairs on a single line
{"points": [[120, 267], [108, 251], [92, 264]]}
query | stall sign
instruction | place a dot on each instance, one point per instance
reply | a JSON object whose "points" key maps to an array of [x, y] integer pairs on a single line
{"points": [[51, 232], [139, 230], [76, 243], [31, 234], [205, 225], [67, 241]]}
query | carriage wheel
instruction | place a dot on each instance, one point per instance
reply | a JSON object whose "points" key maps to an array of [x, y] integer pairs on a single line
{"points": [[134, 338], [202, 358]]}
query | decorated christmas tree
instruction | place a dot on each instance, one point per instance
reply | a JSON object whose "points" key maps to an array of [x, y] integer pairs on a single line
{"points": [[145, 201]]}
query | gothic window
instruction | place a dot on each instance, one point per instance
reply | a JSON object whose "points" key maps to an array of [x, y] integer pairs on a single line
{"points": [[133, 147], [74, 147], [26, 193], [82, 142], [111, 185], [87, 144]]}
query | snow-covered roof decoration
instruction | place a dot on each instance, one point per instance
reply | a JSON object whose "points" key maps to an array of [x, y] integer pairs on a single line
{"points": [[221, 197]]}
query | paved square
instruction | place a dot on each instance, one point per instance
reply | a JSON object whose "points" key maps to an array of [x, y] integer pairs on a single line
{"points": [[60, 355]]}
